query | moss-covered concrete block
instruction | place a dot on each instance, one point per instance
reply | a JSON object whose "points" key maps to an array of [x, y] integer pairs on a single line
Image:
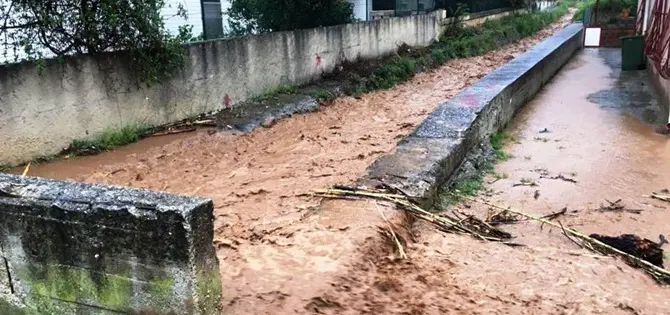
{"points": [[77, 248]]}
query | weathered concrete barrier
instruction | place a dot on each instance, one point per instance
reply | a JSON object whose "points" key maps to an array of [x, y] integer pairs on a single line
{"points": [[77, 248], [89, 94], [425, 160]]}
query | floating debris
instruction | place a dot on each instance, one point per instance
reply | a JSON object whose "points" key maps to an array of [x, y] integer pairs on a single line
{"points": [[663, 195], [555, 215], [644, 249], [561, 177], [469, 225], [617, 206], [525, 182], [502, 217]]}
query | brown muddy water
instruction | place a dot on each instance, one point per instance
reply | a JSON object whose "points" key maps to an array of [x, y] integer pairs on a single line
{"points": [[283, 251], [280, 249], [72, 168], [597, 133]]}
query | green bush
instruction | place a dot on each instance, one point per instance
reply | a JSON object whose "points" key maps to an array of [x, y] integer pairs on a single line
{"points": [[387, 76], [459, 41], [109, 139], [606, 8]]}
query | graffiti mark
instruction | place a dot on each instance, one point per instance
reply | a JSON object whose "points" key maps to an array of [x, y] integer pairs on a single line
{"points": [[226, 100], [318, 60], [471, 100]]}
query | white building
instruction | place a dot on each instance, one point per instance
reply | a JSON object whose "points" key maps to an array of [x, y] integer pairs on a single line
{"points": [[362, 9], [199, 14]]}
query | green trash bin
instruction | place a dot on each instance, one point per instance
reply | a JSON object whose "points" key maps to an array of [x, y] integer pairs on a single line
{"points": [[632, 53]]}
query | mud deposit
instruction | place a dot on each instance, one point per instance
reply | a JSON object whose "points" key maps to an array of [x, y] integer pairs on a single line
{"points": [[283, 251]]}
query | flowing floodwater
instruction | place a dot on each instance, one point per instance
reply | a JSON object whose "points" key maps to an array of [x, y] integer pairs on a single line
{"points": [[593, 125], [279, 248], [284, 251], [75, 167]]}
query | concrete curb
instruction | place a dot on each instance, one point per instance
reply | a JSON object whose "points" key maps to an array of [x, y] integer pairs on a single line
{"points": [[79, 248], [427, 158]]}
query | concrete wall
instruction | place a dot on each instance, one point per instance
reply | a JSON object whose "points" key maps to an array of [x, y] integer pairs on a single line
{"points": [[41, 114], [76, 248], [425, 160]]}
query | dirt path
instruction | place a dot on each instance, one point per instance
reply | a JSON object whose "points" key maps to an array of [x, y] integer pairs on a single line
{"points": [[281, 251], [611, 154]]}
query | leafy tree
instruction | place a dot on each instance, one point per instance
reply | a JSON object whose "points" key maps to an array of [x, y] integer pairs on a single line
{"points": [[34, 29], [260, 16]]}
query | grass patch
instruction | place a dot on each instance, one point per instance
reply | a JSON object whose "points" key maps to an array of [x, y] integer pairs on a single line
{"points": [[471, 185], [282, 89], [498, 141], [457, 41], [108, 139]]}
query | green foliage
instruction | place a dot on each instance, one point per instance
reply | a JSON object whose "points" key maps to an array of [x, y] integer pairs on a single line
{"points": [[607, 9], [456, 41], [34, 29], [498, 143], [469, 186], [400, 69], [261, 16], [283, 89], [455, 26], [109, 139]]}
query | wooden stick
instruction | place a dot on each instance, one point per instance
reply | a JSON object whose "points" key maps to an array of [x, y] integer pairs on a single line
{"points": [[25, 171], [653, 269], [172, 132], [660, 197], [401, 251], [402, 202]]}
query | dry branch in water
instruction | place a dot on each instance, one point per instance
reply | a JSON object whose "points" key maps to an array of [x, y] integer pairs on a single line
{"points": [[502, 217], [561, 177], [659, 274], [555, 215], [390, 231], [663, 195], [444, 222], [617, 206]]}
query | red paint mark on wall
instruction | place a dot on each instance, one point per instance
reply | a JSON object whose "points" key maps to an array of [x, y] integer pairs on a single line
{"points": [[471, 100], [318, 60], [226, 100]]}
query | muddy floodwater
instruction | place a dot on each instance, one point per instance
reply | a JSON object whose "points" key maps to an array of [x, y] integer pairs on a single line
{"points": [[595, 125], [283, 251], [588, 137]]}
